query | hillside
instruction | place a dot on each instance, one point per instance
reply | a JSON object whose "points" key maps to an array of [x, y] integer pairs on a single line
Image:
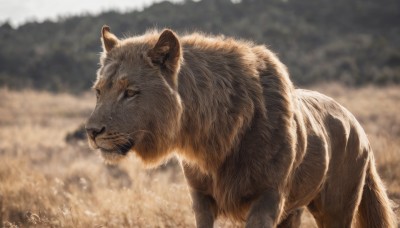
{"points": [[355, 42]]}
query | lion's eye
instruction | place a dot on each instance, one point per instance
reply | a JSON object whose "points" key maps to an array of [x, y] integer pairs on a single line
{"points": [[130, 93]]}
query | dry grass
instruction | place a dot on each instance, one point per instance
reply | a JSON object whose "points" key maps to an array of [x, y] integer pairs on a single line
{"points": [[45, 182]]}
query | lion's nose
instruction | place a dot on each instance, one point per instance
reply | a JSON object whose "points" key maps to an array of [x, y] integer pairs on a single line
{"points": [[94, 131]]}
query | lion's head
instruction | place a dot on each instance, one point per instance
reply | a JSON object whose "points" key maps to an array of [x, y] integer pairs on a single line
{"points": [[138, 107]]}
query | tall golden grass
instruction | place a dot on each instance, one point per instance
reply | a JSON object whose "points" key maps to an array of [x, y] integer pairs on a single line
{"points": [[46, 182]]}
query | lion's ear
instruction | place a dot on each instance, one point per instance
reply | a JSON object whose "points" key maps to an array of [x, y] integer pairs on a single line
{"points": [[167, 51], [108, 39]]}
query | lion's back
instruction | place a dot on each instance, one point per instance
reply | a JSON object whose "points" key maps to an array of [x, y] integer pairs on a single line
{"points": [[335, 122], [329, 113]]}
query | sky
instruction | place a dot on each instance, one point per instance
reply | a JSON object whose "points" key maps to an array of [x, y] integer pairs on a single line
{"points": [[18, 12]]}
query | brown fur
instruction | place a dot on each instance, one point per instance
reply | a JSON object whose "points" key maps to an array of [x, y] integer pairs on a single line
{"points": [[252, 147]]}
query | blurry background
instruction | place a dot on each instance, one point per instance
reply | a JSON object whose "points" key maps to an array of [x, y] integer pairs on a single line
{"points": [[347, 49], [355, 42]]}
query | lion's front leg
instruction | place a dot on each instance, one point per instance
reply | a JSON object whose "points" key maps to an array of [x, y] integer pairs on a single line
{"points": [[292, 220], [204, 208], [265, 211]]}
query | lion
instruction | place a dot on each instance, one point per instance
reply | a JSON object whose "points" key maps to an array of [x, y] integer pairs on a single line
{"points": [[252, 147]]}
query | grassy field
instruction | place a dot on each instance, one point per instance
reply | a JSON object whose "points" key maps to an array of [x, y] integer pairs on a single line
{"points": [[47, 182]]}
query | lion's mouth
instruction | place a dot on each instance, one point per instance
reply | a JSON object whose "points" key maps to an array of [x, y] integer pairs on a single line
{"points": [[121, 149]]}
